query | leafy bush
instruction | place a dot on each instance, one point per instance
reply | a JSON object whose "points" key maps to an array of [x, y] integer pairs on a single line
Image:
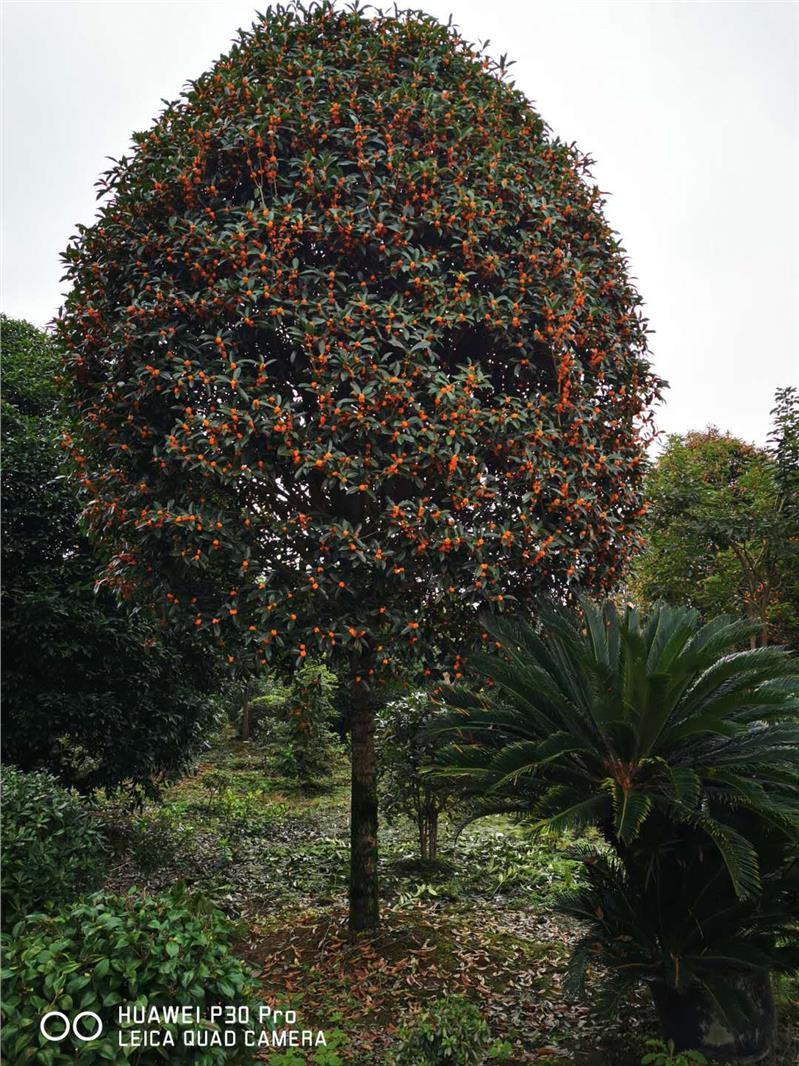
{"points": [[153, 838], [157, 840], [304, 746], [110, 950], [246, 812], [52, 850], [450, 1032]]}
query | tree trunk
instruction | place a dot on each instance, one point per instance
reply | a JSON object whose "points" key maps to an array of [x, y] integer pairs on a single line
{"points": [[244, 720], [363, 819], [428, 832]]}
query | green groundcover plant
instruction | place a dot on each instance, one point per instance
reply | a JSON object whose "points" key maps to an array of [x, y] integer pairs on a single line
{"points": [[663, 1053], [450, 1032]]}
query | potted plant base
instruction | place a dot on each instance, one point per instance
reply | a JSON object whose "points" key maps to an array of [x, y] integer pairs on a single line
{"points": [[694, 1020]]}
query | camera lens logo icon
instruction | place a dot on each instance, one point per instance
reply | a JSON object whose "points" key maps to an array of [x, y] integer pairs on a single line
{"points": [[56, 1026]]}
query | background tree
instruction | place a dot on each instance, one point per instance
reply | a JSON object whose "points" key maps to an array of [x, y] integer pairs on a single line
{"points": [[299, 724], [784, 450], [92, 691], [243, 692], [355, 354], [404, 751], [722, 533]]}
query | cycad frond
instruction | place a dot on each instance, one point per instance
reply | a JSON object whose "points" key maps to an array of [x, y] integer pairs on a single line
{"points": [[631, 714], [737, 853]]}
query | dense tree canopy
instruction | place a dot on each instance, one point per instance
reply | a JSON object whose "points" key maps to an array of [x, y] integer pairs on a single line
{"points": [[92, 691], [355, 352], [351, 320], [723, 530]]}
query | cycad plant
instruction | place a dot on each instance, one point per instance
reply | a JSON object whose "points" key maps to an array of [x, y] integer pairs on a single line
{"points": [[609, 718], [684, 929], [681, 745]]}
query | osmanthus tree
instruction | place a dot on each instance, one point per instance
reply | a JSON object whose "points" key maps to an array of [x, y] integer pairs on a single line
{"points": [[356, 355]]}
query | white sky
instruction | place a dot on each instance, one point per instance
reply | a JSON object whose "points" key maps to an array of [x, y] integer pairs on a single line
{"points": [[691, 111]]}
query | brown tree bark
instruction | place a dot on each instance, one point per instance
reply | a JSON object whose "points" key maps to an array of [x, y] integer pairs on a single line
{"points": [[364, 910], [244, 719], [428, 832]]}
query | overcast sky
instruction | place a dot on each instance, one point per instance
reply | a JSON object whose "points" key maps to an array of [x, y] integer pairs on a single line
{"points": [[691, 111]]}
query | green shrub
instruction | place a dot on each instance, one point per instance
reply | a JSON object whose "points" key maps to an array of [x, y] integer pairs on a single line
{"points": [[155, 839], [246, 812], [450, 1032], [96, 691], [52, 850], [304, 747], [119, 949]]}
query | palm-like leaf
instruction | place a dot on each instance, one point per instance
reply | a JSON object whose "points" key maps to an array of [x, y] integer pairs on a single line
{"points": [[621, 716]]}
